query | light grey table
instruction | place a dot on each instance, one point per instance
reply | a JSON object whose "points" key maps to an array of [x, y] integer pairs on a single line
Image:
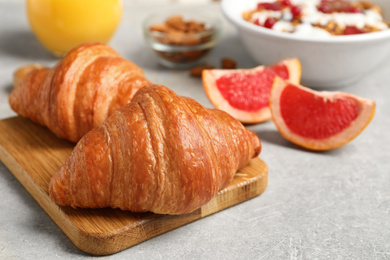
{"points": [[332, 205]]}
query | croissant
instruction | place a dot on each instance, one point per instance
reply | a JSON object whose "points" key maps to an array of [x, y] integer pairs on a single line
{"points": [[160, 153], [79, 93]]}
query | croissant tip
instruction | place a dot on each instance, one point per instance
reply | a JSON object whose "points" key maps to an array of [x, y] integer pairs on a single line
{"points": [[257, 146], [52, 193], [57, 189], [21, 73]]}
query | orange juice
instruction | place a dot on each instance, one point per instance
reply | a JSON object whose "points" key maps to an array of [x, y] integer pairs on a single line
{"points": [[63, 24]]}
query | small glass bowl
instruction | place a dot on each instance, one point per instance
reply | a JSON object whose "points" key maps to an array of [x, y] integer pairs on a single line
{"points": [[182, 51]]}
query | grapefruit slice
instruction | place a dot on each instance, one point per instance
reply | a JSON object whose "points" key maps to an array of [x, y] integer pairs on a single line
{"points": [[318, 120], [244, 93]]}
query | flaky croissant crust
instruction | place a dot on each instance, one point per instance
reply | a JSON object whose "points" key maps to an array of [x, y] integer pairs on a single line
{"points": [[79, 93], [161, 153]]}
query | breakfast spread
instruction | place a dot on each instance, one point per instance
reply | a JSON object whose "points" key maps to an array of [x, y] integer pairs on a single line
{"points": [[319, 18], [143, 148], [161, 153], [79, 93], [130, 133]]}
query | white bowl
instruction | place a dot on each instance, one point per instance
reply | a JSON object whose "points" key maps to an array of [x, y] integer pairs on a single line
{"points": [[327, 62]]}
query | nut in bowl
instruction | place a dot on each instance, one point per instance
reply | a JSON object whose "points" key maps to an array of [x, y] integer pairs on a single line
{"points": [[181, 39], [328, 61]]}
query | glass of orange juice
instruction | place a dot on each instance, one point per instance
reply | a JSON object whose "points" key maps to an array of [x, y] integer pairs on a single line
{"points": [[61, 25]]}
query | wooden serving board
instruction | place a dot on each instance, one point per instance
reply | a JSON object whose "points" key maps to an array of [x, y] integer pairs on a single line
{"points": [[33, 154]]}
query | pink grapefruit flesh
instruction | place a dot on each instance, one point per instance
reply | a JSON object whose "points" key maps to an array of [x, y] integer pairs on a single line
{"points": [[318, 120]]}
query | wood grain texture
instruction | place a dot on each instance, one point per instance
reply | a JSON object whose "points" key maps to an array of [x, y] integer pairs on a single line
{"points": [[33, 154]]}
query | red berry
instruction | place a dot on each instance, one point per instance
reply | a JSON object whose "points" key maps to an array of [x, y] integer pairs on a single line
{"points": [[256, 22], [269, 23], [330, 6], [277, 6], [296, 11], [353, 9], [324, 8], [286, 2], [349, 30]]}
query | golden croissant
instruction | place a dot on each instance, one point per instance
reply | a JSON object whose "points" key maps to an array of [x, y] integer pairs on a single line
{"points": [[79, 93], [161, 153]]}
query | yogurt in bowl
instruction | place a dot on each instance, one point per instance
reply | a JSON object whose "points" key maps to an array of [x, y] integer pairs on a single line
{"points": [[328, 61], [320, 18]]}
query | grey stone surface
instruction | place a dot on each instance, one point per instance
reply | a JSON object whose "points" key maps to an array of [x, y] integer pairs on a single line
{"points": [[329, 205]]}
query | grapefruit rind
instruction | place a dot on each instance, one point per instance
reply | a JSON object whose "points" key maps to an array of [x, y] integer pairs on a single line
{"points": [[210, 76], [294, 69], [366, 113]]}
